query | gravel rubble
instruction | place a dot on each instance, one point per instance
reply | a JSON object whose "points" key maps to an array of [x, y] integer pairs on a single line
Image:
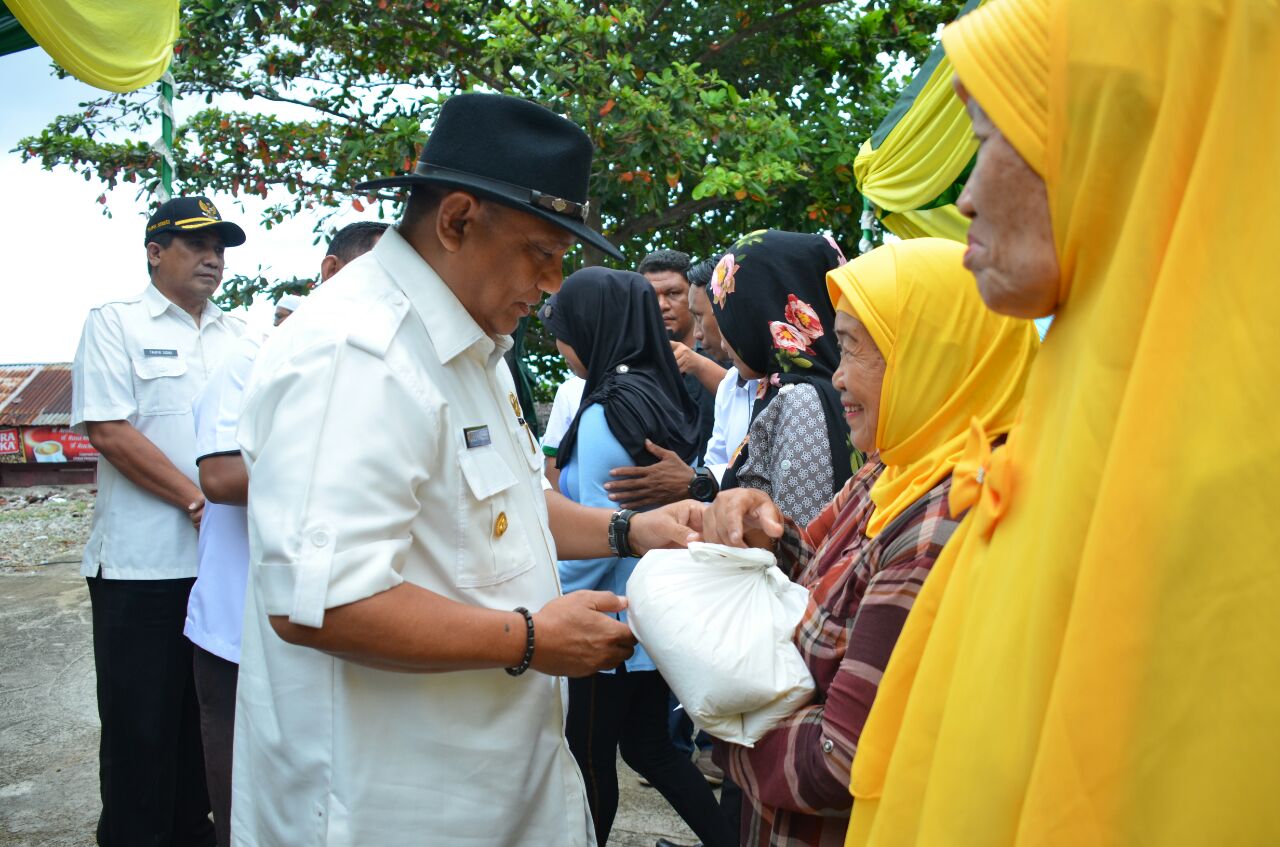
{"points": [[43, 525]]}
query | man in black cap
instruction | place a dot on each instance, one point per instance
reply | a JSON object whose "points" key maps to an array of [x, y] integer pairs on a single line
{"points": [[398, 522], [140, 363]]}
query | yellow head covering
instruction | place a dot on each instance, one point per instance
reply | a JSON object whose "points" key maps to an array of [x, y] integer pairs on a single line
{"points": [[1093, 658], [1005, 54], [948, 360]]}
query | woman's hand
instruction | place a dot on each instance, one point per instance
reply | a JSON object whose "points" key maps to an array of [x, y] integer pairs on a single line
{"points": [[742, 517]]}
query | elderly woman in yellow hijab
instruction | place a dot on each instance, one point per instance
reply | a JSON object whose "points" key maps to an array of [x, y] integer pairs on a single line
{"points": [[1094, 658], [921, 358]]}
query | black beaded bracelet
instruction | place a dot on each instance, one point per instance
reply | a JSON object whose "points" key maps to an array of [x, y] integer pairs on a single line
{"points": [[528, 644], [620, 533]]}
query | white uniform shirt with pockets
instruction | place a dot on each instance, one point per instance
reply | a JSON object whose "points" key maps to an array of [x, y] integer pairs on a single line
{"points": [[144, 360], [382, 447]]}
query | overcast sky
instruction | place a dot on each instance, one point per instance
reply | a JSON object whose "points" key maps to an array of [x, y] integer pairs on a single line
{"points": [[62, 256]]}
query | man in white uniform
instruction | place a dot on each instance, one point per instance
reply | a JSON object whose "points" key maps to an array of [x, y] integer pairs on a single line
{"points": [[215, 611], [140, 363], [405, 630]]}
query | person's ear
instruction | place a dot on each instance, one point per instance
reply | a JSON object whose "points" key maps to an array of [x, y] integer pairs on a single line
{"points": [[153, 254], [961, 91], [329, 266], [456, 219]]}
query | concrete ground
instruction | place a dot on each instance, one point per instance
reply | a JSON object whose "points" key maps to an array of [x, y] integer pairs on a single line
{"points": [[49, 721]]}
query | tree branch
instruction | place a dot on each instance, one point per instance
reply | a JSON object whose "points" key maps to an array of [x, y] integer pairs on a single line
{"points": [[655, 14], [767, 24], [667, 216]]}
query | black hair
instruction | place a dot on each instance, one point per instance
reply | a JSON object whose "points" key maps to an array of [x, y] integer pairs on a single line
{"points": [[665, 260], [700, 274], [423, 200], [164, 239], [355, 239]]}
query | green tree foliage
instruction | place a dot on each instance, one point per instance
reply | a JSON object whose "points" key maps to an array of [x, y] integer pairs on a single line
{"points": [[709, 118]]}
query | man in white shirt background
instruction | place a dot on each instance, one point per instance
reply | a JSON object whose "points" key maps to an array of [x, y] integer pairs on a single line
{"points": [[138, 367], [215, 610], [734, 395]]}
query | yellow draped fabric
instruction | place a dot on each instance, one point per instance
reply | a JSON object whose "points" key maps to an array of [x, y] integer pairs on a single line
{"points": [[941, 222], [919, 159], [1093, 659], [948, 360], [116, 46]]}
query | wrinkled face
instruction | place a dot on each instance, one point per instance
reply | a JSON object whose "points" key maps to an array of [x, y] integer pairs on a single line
{"points": [[859, 380], [511, 258], [1011, 250], [190, 268], [705, 329], [571, 358], [673, 298]]}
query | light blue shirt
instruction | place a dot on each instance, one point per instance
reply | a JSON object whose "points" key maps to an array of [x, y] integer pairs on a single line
{"points": [[595, 453]]}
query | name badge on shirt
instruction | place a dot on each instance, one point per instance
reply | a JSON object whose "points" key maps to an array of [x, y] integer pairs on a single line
{"points": [[159, 351], [476, 436]]}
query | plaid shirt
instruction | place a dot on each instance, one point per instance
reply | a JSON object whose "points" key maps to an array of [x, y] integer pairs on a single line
{"points": [[796, 779]]}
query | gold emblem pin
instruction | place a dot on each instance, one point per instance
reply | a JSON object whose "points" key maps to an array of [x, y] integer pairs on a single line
{"points": [[500, 525]]}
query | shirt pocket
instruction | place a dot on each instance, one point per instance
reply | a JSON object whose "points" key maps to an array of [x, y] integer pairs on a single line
{"points": [[160, 387], [494, 546]]}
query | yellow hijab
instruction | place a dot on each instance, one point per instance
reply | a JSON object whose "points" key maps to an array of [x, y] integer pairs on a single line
{"points": [[948, 360], [1094, 657]]}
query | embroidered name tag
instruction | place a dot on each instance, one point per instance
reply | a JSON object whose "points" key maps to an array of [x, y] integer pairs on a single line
{"points": [[476, 436], [159, 351]]}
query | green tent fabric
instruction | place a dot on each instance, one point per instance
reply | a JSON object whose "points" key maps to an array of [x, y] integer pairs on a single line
{"points": [[915, 164], [13, 38]]}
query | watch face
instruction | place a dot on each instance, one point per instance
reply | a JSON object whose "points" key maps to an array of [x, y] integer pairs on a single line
{"points": [[702, 488]]}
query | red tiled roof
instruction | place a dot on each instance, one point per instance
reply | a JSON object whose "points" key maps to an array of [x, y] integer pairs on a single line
{"points": [[35, 395]]}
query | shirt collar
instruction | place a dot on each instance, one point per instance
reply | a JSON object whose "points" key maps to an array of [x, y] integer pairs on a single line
{"points": [[450, 327], [157, 304]]}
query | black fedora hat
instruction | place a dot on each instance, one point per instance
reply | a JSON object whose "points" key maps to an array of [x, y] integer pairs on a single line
{"points": [[513, 152]]}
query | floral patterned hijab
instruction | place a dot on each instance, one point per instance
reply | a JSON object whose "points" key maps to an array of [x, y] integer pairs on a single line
{"points": [[769, 295]]}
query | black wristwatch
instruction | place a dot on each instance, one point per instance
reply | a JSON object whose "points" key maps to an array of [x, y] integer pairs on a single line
{"points": [[703, 486]]}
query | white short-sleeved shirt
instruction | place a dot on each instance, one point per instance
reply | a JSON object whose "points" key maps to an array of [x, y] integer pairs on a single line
{"points": [[563, 410], [383, 446], [734, 399], [144, 360], [215, 609]]}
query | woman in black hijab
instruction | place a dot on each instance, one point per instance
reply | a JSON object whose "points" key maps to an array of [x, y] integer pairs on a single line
{"points": [[605, 319], [609, 328], [769, 295]]}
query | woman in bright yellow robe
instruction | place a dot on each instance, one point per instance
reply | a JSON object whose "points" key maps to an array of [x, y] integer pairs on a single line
{"points": [[1095, 658]]}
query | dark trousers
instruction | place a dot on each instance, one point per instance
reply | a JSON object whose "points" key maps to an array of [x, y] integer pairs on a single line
{"points": [[731, 801], [150, 765], [680, 726], [216, 690], [627, 711]]}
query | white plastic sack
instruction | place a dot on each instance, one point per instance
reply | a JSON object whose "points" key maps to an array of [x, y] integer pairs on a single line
{"points": [[718, 622]]}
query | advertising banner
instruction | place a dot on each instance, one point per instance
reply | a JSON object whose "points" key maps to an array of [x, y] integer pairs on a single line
{"points": [[56, 444], [9, 443]]}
